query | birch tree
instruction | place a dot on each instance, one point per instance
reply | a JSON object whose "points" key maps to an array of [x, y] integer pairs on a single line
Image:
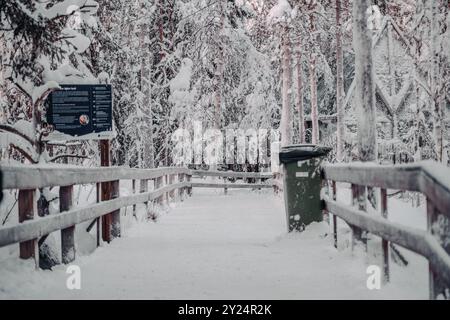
{"points": [[286, 113], [364, 98], [438, 114], [145, 83], [298, 32], [339, 86], [299, 95], [312, 73], [280, 16], [218, 75]]}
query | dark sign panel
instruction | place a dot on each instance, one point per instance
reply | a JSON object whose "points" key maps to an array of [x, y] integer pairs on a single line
{"points": [[81, 111]]}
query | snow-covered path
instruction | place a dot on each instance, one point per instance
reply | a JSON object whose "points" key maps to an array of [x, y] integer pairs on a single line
{"points": [[211, 246]]}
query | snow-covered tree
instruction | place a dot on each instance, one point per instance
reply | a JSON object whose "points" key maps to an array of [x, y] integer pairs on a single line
{"points": [[365, 88]]}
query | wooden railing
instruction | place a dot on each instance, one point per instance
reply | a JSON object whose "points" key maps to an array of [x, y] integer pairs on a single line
{"points": [[258, 177], [429, 178], [32, 231]]}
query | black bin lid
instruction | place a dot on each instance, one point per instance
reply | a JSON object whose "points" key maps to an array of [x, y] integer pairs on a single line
{"points": [[300, 152]]}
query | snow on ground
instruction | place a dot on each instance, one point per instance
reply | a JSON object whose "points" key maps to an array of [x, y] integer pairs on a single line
{"points": [[212, 246]]}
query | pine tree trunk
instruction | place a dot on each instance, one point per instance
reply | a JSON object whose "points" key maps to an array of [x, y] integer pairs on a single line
{"points": [[219, 71], [285, 124], [161, 29], [299, 96], [313, 85], [365, 88], [339, 86], [148, 147], [435, 96]]}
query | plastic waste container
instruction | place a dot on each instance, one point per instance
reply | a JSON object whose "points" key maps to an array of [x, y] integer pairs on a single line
{"points": [[302, 184]]}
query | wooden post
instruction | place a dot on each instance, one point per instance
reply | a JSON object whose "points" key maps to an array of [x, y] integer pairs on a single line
{"points": [[275, 186], [171, 193], [189, 189], [152, 211], [115, 215], [99, 231], [134, 192], [358, 200], [333, 194], [26, 212], [384, 243], [181, 190], [105, 189], [158, 184], [225, 190], [166, 182], [68, 234], [434, 286], [142, 189], [185, 189]]}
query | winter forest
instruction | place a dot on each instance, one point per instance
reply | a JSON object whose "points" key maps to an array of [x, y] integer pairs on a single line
{"points": [[229, 64], [368, 80]]}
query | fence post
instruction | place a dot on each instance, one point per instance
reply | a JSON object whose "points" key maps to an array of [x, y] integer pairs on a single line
{"points": [[133, 184], [384, 243], [115, 215], [99, 225], [189, 188], [435, 286], [334, 197], [142, 189], [152, 211], [68, 234], [358, 200], [26, 204], [165, 183], [105, 189], [225, 190], [158, 184], [181, 189], [275, 186], [106, 219], [171, 193]]}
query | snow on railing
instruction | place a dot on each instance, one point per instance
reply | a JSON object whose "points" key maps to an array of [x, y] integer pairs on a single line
{"points": [[430, 178], [257, 177], [31, 233]]}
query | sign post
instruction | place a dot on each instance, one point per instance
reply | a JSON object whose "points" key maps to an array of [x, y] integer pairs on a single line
{"points": [[84, 112], [105, 189]]}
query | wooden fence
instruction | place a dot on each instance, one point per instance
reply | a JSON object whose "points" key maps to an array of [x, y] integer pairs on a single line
{"points": [[429, 178], [231, 179], [32, 231]]}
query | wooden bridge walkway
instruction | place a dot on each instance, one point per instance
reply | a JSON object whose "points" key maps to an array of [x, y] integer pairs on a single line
{"points": [[230, 245], [211, 246]]}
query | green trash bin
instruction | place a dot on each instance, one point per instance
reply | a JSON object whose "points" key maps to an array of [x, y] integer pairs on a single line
{"points": [[302, 184]]}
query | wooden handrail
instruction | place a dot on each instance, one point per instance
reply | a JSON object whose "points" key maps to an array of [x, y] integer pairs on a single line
{"points": [[230, 185], [427, 177], [34, 229], [30, 232], [40, 176], [258, 176], [232, 174], [416, 240]]}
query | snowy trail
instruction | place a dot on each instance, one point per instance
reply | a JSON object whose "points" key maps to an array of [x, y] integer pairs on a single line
{"points": [[211, 246]]}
